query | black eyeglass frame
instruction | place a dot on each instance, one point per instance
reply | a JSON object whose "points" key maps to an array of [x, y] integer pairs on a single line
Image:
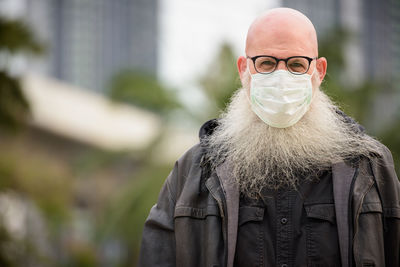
{"points": [[309, 59]]}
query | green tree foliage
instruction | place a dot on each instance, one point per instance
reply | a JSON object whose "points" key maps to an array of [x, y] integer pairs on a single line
{"points": [[124, 218], [38, 182], [355, 100], [27, 180], [14, 109], [15, 38], [5, 258], [221, 79], [142, 90]]}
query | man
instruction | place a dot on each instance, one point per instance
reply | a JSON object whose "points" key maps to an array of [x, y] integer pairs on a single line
{"points": [[283, 178]]}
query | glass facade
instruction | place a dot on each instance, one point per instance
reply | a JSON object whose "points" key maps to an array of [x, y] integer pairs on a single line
{"points": [[90, 40]]}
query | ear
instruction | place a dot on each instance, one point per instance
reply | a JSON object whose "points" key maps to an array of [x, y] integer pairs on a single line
{"points": [[322, 64], [242, 66]]}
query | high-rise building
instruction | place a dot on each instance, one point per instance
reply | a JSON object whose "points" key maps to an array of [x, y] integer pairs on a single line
{"points": [[90, 40], [381, 41]]}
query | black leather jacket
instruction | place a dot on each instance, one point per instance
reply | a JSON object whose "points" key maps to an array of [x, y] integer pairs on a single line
{"points": [[195, 220]]}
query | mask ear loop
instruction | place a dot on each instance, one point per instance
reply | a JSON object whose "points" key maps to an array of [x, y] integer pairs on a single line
{"points": [[248, 90], [313, 95]]}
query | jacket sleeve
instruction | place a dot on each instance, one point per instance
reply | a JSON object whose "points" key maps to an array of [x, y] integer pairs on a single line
{"points": [[389, 187], [158, 238]]}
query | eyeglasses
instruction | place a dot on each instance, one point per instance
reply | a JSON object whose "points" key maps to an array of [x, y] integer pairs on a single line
{"points": [[267, 64]]}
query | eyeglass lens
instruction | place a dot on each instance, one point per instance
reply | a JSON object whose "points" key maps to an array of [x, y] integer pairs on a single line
{"points": [[296, 65]]}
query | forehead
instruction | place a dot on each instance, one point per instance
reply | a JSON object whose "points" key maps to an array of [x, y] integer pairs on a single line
{"points": [[282, 37]]}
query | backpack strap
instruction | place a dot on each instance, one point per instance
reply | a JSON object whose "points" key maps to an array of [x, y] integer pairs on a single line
{"points": [[343, 177]]}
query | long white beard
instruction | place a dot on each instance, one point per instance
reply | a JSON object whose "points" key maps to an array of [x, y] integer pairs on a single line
{"points": [[267, 157]]}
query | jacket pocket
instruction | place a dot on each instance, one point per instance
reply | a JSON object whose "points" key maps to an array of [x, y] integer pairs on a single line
{"points": [[392, 213], [368, 263], [369, 227], [250, 244], [321, 231], [197, 213], [325, 212], [198, 236], [371, 207], [250, 214]]}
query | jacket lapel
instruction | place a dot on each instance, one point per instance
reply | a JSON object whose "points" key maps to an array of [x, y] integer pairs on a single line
{"points": [[342, 176], [231, 192]]}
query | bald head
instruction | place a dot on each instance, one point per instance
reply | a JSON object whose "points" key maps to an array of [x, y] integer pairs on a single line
{"points": [[284, 31]]}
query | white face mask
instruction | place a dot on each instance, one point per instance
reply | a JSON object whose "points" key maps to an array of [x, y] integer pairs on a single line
{"points": [[280, 99]]}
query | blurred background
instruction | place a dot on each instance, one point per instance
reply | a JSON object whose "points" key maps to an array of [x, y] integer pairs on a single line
{"points": [[98, 98]]}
